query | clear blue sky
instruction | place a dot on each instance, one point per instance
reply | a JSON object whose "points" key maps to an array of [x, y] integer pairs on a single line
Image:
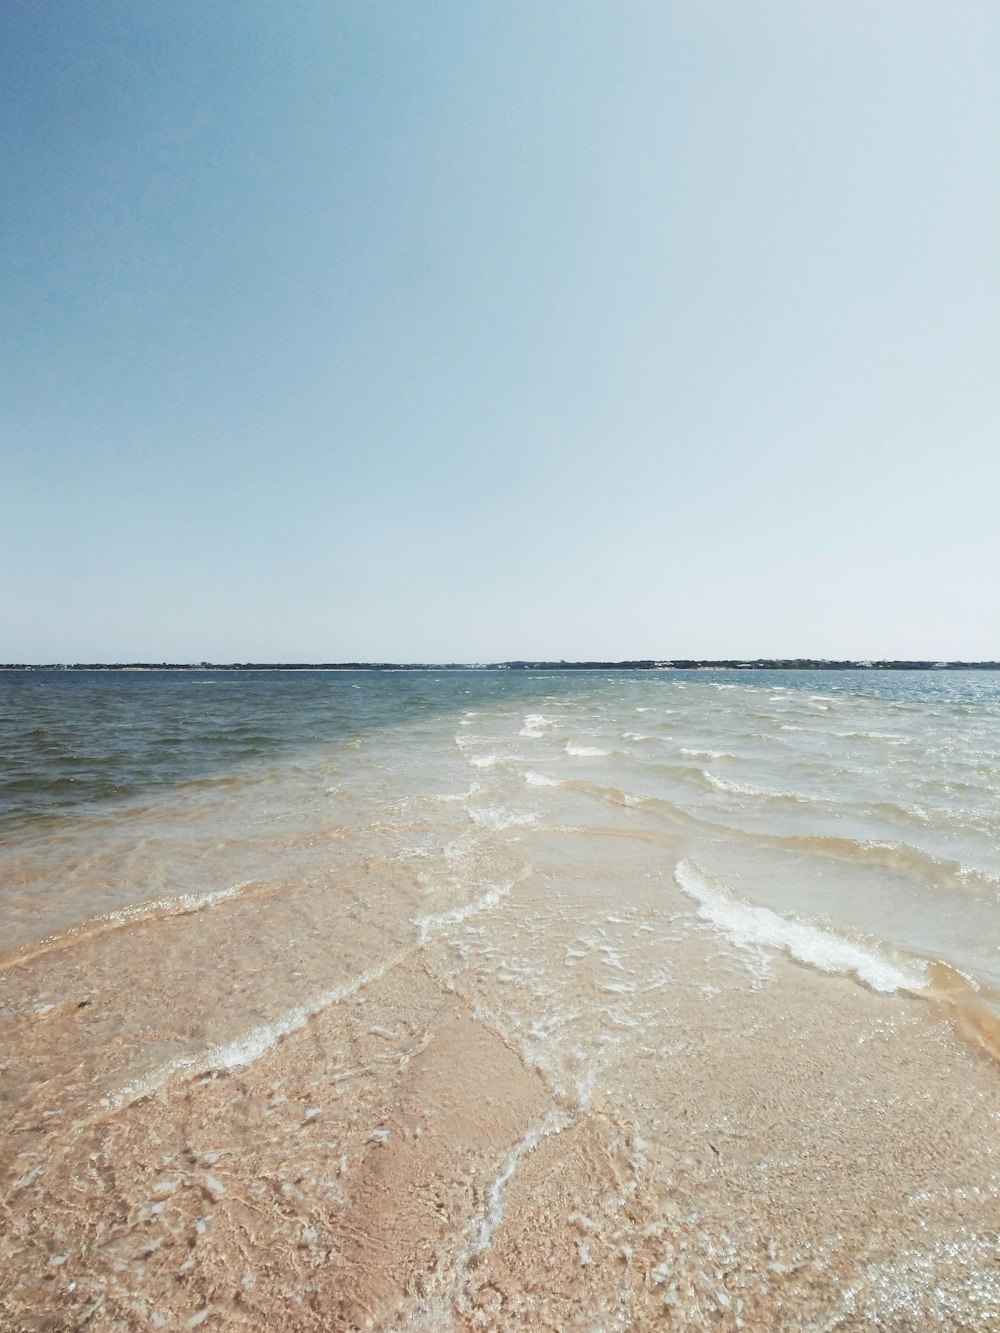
{"points": [[479, 330]]}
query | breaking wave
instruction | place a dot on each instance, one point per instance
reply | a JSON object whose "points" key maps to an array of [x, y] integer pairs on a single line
{"points": [[747, 925]]}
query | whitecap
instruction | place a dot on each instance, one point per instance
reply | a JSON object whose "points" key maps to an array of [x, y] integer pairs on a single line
{"points": [[535, 725]]}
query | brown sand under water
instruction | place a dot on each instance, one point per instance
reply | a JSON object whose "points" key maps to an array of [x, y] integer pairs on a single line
{"points": [[555, 1105]]}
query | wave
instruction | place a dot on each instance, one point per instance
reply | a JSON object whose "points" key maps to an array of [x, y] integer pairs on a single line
{"points": [[586, 751], [741, 788], [710, 782], [535, 725], [790, 798], [887, 854], [151, 909], [938, 871], [609, 794], [498, 817], [450, 798], [891, 811], [665, 810], [540, 780], [873, 853], [889, 737], [746, 924]]}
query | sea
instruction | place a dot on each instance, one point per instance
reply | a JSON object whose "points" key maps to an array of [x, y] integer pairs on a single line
{"points": [[492, 998]]}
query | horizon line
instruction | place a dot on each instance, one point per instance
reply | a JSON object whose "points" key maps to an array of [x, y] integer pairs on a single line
{"points": [[582, 664]]}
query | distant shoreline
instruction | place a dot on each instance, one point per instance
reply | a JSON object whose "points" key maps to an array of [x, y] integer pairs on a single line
{"points": [[647, 664]]}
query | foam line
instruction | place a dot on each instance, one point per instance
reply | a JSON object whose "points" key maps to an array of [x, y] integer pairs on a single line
{"points": [[252, 1044], [746, 924], [257, 1041], [181, 904]]}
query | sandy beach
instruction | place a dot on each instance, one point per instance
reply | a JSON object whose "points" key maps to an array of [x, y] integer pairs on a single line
{"points": [[506, 1016], [415, 1152]]}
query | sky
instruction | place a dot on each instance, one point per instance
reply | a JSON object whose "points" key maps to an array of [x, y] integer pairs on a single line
{"points": [[480, 330]]}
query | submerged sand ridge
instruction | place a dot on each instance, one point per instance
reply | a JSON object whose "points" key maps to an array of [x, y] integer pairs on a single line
{"points": [[462, 1142], [478, 1061]]}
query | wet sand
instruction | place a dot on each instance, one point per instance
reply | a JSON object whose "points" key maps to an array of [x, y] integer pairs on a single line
{"points": [[556, 1104]]}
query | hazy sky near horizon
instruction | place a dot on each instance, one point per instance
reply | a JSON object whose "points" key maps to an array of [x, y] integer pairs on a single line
{"points": [[466, 331]]}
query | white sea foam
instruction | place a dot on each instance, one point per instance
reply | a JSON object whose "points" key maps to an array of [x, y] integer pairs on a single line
{"points": [[183, 903], [433, 924], [553, 1123], [735, 788], [499, 817], [149, 909], [540, 780], [748, 789], [746, 924], [484, 760], [258, 1041], [705, 754], [585, 751], [250, 1045], [535, 725]]}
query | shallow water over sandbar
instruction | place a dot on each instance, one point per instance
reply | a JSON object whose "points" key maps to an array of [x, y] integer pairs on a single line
{"points": [[500, 1000]]}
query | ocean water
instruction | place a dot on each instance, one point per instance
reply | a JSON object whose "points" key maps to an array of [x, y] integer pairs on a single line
{"points": [[480, 999]]}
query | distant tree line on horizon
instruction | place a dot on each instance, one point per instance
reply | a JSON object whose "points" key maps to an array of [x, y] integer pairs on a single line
{"points": [[637, 664]]}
